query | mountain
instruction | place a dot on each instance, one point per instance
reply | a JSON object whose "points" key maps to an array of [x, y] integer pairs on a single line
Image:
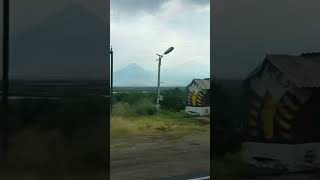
{"points": [[68, 45], [134, 75], [182, 75]]}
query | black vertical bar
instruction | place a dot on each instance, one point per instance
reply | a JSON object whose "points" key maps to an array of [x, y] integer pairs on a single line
{"points": [[108, 120], [212, 85], [111, 77], [5, 80]]}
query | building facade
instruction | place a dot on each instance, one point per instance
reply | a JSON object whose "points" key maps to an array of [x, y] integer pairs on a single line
{"points": [[198, 97], [281, 129]]}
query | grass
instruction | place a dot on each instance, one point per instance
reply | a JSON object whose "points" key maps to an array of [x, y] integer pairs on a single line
{"points": [[63, 137], [172, 124], [67, 137], [141, 117]]}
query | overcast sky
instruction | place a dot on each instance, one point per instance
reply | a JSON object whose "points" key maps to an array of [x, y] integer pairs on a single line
{"points": [[142, 28], [244, 31], [42, 31], [26, 14]]}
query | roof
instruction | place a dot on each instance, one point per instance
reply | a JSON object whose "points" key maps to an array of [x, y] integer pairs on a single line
{"points": [[203, 83], [303, 71]]}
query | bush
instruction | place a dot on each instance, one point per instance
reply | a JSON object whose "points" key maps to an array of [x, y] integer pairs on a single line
{"points": [[133, 97], [142, 107], [121, 109], [174, 100]]}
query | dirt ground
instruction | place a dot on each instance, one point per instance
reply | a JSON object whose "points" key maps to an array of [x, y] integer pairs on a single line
{"points": [[153, 156], [145, 157], [289, 177]]}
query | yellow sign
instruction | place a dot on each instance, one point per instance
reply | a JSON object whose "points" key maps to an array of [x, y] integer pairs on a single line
{"points": [[268, 115], [194, 98]]}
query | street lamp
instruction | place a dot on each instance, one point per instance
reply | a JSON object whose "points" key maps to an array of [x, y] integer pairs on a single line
{"points": [[159, 65]]}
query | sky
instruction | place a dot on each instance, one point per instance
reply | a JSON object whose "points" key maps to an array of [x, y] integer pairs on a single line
{"points": [[142, 28], [58, 39], [27, 14], [245, 31]]}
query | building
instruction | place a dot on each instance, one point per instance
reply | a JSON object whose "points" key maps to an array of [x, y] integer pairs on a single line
{"points": [[198, 97], [283, 120]]}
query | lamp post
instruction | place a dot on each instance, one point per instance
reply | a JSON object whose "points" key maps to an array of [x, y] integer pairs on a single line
{"points": [[159, 66], [5, 80]]}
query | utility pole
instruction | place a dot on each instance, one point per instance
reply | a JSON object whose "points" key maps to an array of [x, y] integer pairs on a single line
{"points": [[158, 89], [159, 66], [5, 81]]}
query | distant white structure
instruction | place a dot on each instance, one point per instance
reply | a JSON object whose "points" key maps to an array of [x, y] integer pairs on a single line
{"points": [[198, 97]]}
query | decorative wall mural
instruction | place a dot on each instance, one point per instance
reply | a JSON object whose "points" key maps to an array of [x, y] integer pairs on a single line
{"points": [[198, 97], [271, 119], [195, 98]]}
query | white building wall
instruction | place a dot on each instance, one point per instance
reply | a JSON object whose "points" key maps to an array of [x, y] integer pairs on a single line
{"points": [[200, 111], [290, 156]]}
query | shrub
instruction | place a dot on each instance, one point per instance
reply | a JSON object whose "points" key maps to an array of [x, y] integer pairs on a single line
{"points": [[174, 99], [133, 97], [121, 109], [144, 107]]}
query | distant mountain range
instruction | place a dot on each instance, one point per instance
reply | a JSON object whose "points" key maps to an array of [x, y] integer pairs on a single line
{"points": [[135, 75]]}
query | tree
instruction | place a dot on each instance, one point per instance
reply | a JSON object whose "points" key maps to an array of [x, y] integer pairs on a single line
{"points": [[174, 99]]}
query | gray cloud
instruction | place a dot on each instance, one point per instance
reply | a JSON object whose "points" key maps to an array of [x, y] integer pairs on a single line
{"points": [[133, 6], [57, 39], [180, 23], [244, 31], [200, 2], [149, 6], [25, 14]]}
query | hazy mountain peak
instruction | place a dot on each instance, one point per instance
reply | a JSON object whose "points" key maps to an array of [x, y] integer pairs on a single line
{"points": [[134, 75], [134, 65]]}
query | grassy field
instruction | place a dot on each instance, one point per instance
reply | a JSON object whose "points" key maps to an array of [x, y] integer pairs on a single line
{"points": [[149, 145], [134, 112], [169, 123], [65, 137]]}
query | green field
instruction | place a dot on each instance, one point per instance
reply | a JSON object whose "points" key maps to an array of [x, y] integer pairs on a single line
{"points": [[65, 137], [134, 112]]}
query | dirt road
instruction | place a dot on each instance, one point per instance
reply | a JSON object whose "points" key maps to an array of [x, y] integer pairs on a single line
{"points": [[146, 157], [290, 177]]}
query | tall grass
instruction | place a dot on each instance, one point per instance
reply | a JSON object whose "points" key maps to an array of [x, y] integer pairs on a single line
{"points": [[142, 107], [62, 137], [124, 126], [141, 118]]}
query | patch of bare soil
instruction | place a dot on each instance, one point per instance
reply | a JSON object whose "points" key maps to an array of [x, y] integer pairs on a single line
{"points": [[145, 157]]}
